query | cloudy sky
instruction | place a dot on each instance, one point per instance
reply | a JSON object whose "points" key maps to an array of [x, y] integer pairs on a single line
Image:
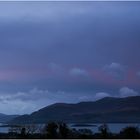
{"points": [[67, 52]]}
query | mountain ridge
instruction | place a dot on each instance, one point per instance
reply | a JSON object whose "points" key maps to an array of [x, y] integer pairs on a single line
{"points": [[4, 117], [108, 109]]}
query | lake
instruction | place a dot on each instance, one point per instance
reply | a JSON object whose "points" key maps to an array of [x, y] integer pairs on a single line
{"points": [[113, 127]]}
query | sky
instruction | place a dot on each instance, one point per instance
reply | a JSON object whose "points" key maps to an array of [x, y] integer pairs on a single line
{"points": [[67, 52]]}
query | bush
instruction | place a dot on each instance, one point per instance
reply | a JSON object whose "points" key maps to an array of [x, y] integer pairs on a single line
{"points": [[130, 132]]}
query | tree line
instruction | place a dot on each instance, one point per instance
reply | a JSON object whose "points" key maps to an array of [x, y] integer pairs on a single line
{"points": [[60, 130]]}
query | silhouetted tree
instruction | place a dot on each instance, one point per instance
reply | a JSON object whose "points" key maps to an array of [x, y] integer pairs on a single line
{"points": [[51, 130], [130, 132], [104, 130], [23, 132], [63, 130]]}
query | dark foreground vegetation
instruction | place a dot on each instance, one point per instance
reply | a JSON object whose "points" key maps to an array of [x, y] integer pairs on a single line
{"points": [[55, 130]]}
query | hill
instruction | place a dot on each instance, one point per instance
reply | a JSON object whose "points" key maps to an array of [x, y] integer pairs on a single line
{"points": [[108, 109], [4, 118]]}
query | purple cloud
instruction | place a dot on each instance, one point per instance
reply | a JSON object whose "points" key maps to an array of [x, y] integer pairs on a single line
{"points": [[78, 72], [116, 70]]}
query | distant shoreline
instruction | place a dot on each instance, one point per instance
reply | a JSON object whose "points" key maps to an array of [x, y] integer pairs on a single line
{"points": [[83, 125]]}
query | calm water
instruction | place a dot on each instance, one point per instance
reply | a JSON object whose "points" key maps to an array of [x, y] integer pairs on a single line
{"points": [[113, 127], [3, 129]]}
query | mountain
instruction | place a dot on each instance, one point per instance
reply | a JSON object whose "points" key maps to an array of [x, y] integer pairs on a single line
{"points": [[4, 118], [108, 109]]}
